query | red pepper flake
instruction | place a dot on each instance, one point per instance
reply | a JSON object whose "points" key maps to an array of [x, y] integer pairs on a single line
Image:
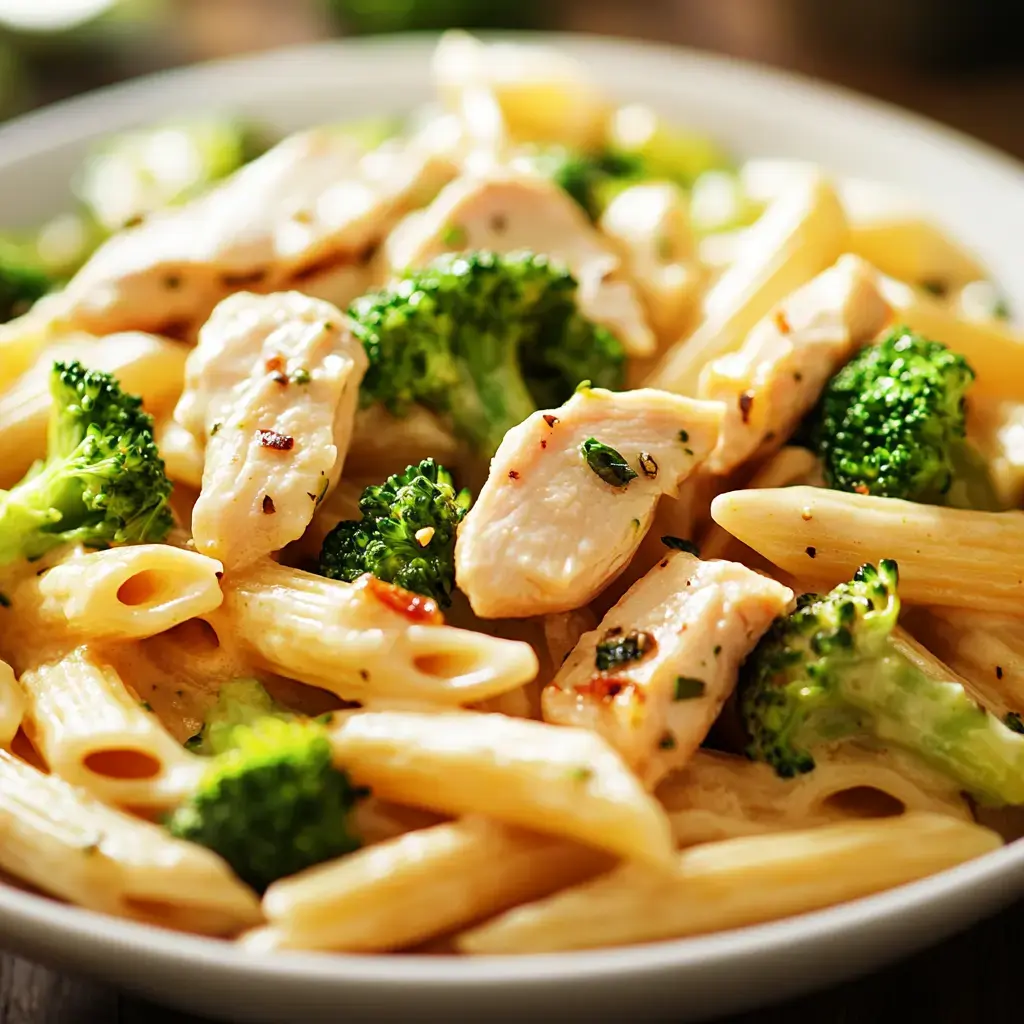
{"points": [[269, 508], [782, 323], [513, 474], [279, 442], [862, 489], [274, 364], [746, 404], [811, 552], [999, 671], [280, 378], [550, 420], [219, 575], [414, 607], [608, 688], [543, 444]]}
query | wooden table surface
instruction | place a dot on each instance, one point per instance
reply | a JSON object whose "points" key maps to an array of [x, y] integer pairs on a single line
{"points": [[970, 978]]}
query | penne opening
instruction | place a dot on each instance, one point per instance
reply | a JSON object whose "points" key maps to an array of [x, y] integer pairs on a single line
{"points": [[450, 664], [864, 802], [123, 763], [142, 588]]}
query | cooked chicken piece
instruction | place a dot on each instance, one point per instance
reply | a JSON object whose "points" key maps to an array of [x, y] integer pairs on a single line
{"points": [[308, 213], [277, 437], [654, 675], [650, 224], [770, 384], [504, 211], [570, 495]]}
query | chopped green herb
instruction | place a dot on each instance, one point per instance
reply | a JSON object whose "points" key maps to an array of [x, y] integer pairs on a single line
{"points": [[684, 436], [679, 544], [583, 387], [1001, 310], [1014, 721], [195, 742], [607, 463], [718, 650], [300, 376], [936, 288], [636, 524], [617, 649], [216, 427], [688, 688], [667, 742], [581, 773], [325, 719], [145, 705]]}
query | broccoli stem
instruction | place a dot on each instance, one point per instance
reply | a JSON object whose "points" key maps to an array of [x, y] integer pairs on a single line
{"points": [[940, 723], [492, 400]]}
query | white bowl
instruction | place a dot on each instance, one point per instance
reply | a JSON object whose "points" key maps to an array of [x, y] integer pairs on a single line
{"points": [[976, 192]]}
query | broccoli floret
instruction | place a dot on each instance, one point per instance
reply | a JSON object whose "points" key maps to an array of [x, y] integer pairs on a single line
{"points": [[273, 804], [239, 702], [406, 535], [102, 481], [138, 172], [22, 282], [892, 423], [830, 671], [591, 178], [483, 339]]}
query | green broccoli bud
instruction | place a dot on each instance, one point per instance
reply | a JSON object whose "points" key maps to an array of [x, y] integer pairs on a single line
{"points": [[22, 282], [273, 804], [830, 672], [483, 339], [102, 482], [239, 702], [591, 178], [138, 172], [892, 423], [406, 535]]}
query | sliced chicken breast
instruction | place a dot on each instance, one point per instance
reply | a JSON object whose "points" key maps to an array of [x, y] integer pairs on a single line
{"points": [[654, 675], [503, 210], [571, 493], [309, 213], [276, 438], [774, 380]]}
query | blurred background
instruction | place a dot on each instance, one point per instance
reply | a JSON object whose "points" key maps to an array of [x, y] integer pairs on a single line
{"points": [[957, 60]]}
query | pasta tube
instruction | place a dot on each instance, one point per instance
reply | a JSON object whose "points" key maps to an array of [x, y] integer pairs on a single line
{"points": [[12, 706], [822, 536], [560, 781], [735, 883], [130, 592], [69, 845], [420, 885], [367, 639], [800, 235], [144, 364], [95, 734], [721, 796]]}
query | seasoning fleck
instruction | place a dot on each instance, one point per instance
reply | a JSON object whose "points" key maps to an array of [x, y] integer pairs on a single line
{"points": [[746, 403], [279, 442], [513, 474], [688, 688], [999, 671], [617, 650], [268, 505], [805, 514], [811, 551], [607, 463], [782, 323], [424, 536], [550, 420], [581, 773], [684, 436], [648, 466], [680, 544], [667, 742], [300, 376]]}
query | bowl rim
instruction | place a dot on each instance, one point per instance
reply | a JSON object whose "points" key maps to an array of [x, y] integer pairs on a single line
{"points": [[23, 912]]}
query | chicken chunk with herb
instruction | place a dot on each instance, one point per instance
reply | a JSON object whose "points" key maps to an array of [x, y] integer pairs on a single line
{"points": [[277, 437], [571, 493], [653, 677]]}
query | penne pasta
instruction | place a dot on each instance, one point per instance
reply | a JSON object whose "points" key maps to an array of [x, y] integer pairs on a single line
{"points": [[183, 455], [93, 733], [800, 235], [735, 883], [12, 706], [822, 536], [367, 639], [420, 885], [68, 844], [127, 593], [720, 796], [145, 365], [554, 780]]}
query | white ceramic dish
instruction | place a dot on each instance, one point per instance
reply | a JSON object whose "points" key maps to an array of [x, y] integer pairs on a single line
{"points": [[977, 192]]}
